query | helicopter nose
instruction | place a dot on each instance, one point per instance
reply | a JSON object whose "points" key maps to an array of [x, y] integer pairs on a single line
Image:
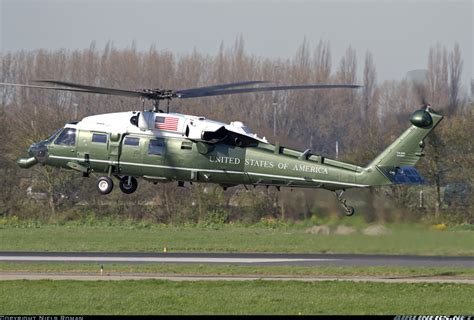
{"points": [[39, 151], [31, 148], [26, 163]]}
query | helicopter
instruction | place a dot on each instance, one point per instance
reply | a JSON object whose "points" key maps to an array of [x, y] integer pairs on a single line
{"points": [[160, 146]]}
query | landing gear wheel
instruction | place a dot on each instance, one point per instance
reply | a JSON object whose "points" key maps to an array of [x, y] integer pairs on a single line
{"points": [[105, 185], [128, 185], [349, 211]]}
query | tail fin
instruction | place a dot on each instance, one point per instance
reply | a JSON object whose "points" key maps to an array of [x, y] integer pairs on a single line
{"points": [[395, 164]]}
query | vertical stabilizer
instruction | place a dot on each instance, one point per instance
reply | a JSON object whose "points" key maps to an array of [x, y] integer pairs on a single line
{"points": [[401, 156]]}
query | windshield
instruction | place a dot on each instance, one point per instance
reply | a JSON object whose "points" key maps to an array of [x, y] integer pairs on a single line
{"points": [[54, 135], [67, 137], [246, 130]]}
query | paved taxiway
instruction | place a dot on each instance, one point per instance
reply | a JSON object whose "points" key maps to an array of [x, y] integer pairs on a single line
{"points": [[243, 259]]}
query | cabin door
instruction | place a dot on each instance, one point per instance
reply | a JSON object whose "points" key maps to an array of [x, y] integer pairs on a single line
{"points": [[94, 150], [131, 156]]}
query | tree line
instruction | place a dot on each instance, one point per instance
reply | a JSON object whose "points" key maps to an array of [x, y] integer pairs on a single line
{"points": [[361, 122]]}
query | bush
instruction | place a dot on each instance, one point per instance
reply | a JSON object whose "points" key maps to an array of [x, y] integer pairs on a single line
{"points": [[215, 218], [271, 222]]}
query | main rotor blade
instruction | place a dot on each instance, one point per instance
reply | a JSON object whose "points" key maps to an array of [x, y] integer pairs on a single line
{"points": [[160, 94], [44, 87], [99, 90], [221, 86], [186, 95]]}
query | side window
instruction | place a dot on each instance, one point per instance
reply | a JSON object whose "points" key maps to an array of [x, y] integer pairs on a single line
{"points": [[67, 137], [130, 141], [99, 138], [156, 146]]}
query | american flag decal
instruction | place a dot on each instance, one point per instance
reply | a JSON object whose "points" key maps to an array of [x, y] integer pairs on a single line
{"points": [[166, 123]]}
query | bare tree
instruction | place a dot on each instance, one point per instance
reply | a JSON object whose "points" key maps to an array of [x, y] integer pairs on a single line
{"points": [[370, 82], [347, 72], [455, 70], [322, 62], [438, 76]]}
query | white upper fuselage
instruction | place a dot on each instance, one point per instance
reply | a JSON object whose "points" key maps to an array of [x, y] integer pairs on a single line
{"points": [[159, 124]]}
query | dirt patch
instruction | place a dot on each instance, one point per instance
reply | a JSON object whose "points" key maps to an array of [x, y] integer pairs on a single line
{"points": [[376, 230], [318, 230], [344, 230]]}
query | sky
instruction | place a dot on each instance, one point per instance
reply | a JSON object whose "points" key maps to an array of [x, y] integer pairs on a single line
{"points": [[398, 33]]}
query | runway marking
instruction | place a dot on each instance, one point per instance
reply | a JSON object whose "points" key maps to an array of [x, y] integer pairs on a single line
{"points": [[242, 259], [157, 259]]}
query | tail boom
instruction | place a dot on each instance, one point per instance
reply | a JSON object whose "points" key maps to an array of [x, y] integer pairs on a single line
{"points": [[395, 165]]}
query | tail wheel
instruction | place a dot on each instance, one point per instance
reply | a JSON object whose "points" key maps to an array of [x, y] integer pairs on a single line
{"points": [[128, 185], [105, 185], [349, 211]]}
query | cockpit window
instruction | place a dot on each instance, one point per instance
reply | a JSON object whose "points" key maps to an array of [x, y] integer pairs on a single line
{"points": [[53, 136], [242, 126], [67, 137], [246, 130]]}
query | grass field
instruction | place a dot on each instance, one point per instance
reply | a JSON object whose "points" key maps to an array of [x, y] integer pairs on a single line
{"points": [[248, 297], [401, 239], [220, 297]]}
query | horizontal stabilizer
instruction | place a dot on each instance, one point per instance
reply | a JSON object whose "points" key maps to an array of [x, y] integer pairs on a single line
{"points": [[402, 175]]}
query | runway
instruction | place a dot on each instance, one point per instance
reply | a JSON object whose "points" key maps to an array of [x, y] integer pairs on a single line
{"points": [[261, 259]]}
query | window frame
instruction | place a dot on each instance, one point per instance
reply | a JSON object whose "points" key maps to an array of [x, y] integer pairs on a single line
{"points": [[54, 135]]}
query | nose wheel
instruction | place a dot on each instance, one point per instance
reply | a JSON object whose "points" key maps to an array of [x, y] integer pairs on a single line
{"points": [[128, 184], [105, 185], [348, 209]]}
